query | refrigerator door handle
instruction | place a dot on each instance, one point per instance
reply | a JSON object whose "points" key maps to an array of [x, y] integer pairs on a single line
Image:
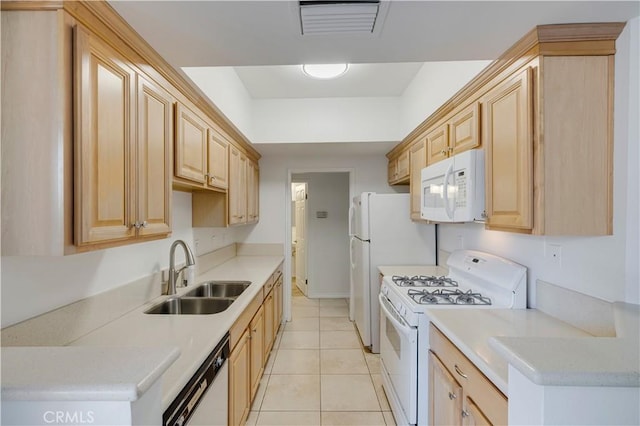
{"points": [[352, 211], [351, 241]]}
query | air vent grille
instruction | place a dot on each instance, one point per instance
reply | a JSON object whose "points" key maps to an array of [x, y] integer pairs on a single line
{"points": [[328, 17]]}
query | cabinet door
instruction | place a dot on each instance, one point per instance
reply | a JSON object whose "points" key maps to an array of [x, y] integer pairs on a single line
{"points": [[239, 381], [256, 328], [105, 134], [402, 168], [253, 177], [237, 193], [278, 305], [445, 395], [155, 137], [464, 130], [438, 144], [418, 157], [218, 161], [268, 323], [191, 145], [507, 112], [472, 415], [392, 170]]}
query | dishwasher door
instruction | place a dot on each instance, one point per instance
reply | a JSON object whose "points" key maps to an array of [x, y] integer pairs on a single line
{"points": [[213, 407]]}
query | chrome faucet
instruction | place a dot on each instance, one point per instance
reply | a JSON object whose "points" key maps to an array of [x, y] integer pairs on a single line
{"points": [[173, 274]]}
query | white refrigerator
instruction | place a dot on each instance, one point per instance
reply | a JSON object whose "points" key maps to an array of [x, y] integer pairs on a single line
{"points": [[381, 233]]}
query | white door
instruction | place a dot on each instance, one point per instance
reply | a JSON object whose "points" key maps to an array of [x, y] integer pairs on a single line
{"points": [[301, 237]]}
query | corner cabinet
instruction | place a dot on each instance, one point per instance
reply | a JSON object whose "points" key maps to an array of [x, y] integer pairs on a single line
{"points": [[122, 172]]}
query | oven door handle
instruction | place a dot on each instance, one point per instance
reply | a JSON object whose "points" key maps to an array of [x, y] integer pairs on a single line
{"points": [[403, 328]]}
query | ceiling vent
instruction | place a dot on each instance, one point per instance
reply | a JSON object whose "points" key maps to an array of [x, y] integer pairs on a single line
{"points": [[345, 16]]}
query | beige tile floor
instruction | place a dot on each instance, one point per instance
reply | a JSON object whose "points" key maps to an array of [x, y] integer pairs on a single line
{"points": [[318, 372]]}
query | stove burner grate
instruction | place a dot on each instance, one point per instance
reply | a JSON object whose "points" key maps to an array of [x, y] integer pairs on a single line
{"points": [[445, 296], [423, 281]]}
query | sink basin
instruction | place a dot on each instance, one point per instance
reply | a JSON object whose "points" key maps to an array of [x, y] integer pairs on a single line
{"points": [[219, 289], [201, 306]]}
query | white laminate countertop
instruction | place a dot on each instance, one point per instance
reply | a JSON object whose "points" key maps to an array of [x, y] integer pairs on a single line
{"points": [[412, 270], [573, 361], [194, 335], [64, 373], [471, 330]]}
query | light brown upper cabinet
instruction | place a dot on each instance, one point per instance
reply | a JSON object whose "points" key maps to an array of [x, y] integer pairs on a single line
{"points": [[217, 161], [253, 198], [155, 141], [508, 137], [398, 171], [237, 195], [549, 151], [121, 176], [191, 146], [458, 134], [543, 112], [418, 158]]}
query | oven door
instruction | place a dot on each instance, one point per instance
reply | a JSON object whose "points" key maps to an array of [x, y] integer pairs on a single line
{"points": [[399, 359]]}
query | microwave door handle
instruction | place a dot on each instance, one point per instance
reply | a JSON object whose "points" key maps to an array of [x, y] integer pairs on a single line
{"points": [[445, 191]]}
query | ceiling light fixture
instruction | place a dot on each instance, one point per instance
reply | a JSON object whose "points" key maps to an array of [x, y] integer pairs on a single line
{"points": [[325, 71]]}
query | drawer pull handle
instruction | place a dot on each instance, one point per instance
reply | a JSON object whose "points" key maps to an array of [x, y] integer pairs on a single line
{"points": [[452, 396], [459, 371]]}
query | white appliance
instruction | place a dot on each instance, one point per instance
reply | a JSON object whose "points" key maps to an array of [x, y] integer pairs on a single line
{"points": [[204, 399], [382, 233], [452, 190], [475, 279]]}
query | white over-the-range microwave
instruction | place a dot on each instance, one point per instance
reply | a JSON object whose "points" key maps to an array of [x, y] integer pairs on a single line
{"points": [[452, 190]]}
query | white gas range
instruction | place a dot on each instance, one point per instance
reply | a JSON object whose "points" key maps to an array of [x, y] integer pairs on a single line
{"points": [[475, 279]]}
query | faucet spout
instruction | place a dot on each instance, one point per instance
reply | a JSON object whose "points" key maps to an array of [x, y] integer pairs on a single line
{"points": [[173, 274]]}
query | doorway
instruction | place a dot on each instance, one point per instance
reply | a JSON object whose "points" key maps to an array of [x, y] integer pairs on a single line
{"points": [[319, 216], [299, 238]]}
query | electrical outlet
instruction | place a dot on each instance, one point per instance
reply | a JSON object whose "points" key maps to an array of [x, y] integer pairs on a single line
{"points": [[553, 252], [165, 275]]}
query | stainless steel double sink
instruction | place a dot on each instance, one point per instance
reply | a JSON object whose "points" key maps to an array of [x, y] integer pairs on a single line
{"points": [[210, 297]]}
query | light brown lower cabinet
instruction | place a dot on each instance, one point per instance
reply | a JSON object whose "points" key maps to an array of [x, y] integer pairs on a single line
{"points": [[240, 381], [459, 394], [252, 338], [256, 330]]}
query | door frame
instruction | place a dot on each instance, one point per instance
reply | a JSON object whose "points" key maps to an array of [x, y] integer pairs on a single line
{"points": [[287, 217]]}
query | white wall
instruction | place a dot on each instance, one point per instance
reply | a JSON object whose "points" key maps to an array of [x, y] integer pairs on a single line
{"points": [[603, 267], [432, 86], [327, 239], [326, 120], [35, 285], [369, 174], [223, 86], [366, 119]]}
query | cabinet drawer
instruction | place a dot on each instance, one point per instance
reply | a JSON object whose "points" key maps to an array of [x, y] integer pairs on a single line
{"points": [[476, 386]]}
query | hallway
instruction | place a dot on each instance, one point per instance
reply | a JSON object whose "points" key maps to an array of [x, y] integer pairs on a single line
{"points": [[318, 373]]}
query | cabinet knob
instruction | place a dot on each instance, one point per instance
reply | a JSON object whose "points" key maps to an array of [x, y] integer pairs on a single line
{"points": [[139, 225], [465, 413], [443, 152], [452, 396]]}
